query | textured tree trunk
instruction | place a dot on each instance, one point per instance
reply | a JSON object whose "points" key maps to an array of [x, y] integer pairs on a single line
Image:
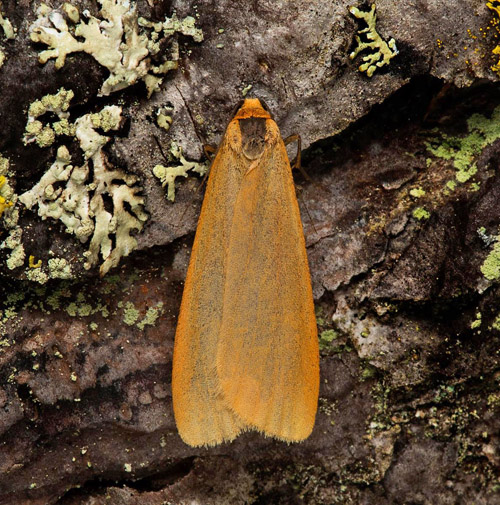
{"points": [[401, 219]]}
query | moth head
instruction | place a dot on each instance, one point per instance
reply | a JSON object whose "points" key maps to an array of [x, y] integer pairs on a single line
{"points": [[252, 107]]}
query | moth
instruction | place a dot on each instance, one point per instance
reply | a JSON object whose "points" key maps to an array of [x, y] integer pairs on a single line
{"points": [[246, 346]]}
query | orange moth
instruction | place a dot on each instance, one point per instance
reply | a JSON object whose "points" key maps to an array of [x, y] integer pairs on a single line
{"points": [[246, 347]]}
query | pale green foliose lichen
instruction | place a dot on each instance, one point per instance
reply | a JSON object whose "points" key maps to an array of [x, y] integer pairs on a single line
{"points": [[167, 175], [45, 135], [13, 242], [8, 30], [80, 203], [482, 131], [381, 52], [164, 118], [59, 268], [118, 40], [37, 275]]}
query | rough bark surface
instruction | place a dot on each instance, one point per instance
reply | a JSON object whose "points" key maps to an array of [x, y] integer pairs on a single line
{"points": [[398, 239]]}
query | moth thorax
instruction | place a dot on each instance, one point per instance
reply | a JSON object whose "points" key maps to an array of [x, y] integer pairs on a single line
{"points": [[253, 137]]}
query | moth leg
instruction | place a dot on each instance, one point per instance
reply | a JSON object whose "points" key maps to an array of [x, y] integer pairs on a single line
{"points": [[297, 162], [209, 151]]}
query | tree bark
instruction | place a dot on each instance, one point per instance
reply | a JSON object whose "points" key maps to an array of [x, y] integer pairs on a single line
{"points": [[401, 219]]}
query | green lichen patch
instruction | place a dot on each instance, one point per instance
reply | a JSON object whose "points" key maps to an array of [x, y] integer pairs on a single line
{"points": [[326, 337], [79, 203], [381, 52], [417, 192], [451, 185], [496, 323], [464, 150], [130, 314], [168, 175], [118, 40], [477, 322], [151, 316], [491, 265], [82, 306], [420, 213]]}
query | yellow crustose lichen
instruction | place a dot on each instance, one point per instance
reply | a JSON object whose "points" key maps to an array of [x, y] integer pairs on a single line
{"points": [[4, 203], [494, 5]]}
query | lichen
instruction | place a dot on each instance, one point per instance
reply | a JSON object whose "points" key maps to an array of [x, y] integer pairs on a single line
{"points": [[80, 203], [37, 275], [59, 268], [326, 338], [32, 263], [164, 118], [494, 6], [417, 192], [151, 316], [482, 131], [491, 265], [451, 185], [8, 30], [58, 104], [130, 314], [381, 52], [496, 323], [167, 175], [420, 213], [477, 322], [118, 40], [5, 203], [13, 242]]}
